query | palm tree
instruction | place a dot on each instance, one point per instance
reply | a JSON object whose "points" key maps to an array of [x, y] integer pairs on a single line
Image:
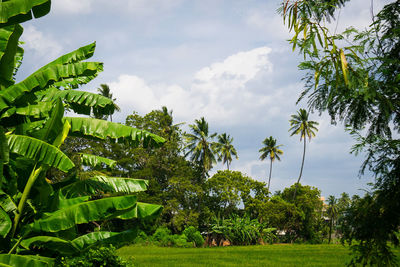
{"points": [[104, 90], [332, 214], [272, 150], [200, 146], [225, 149], [301, 125]]}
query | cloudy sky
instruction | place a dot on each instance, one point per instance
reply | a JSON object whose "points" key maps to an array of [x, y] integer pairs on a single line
{"points": [[226, 60]]}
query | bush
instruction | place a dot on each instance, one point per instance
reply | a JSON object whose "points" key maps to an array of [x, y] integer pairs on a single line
{"points": [[163, 237], [193, 235], [98, 257]]}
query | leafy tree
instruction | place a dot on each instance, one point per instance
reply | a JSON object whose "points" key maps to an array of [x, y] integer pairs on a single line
{"points": [[225, 150], [357, 82], [272, 150], [105, 91], [199, 145], [40, 215], [332, 212], [305, 128]]}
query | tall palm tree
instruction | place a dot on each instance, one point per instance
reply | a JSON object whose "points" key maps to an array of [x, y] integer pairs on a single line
{"points": [[104, 90], [199, 145], [301, 125], [225, 149], [332, 214], [272, 150]]}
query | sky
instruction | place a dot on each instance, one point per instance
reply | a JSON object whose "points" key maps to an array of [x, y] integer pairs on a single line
{"points": [[226, 60]]}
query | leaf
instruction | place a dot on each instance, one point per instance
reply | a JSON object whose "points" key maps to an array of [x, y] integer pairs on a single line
{"points": [[17, 11], [43, 78], [39, 110], [53, 124], [9, 49], [61, 246], [104, 184], [344, 67], [85, 212], [89, 240], [25, 261], [5, 223], [142, 210], [104, 129], [39, 151], [6, 202], [81, 102], [96, 161]]}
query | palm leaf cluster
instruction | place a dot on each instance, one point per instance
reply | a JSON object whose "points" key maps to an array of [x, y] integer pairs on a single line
{"points": [[39, 215], [272, 150]]}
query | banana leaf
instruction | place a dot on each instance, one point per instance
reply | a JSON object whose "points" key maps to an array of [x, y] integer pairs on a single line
{"points": [[96, 161], [85, 212], [61, 246], [38, 111], [79, 101], [89, 240], [39, 151], [6, 202], [5, 223], [42, 79], [17, 11], [9, 51], [25, 260], [142, 210], [101, 129], [103, 184], [4, 153]]}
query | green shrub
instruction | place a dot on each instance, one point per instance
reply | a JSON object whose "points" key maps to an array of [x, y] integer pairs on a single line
{"points": [[98, 257], [193, 235], [162, 236]]}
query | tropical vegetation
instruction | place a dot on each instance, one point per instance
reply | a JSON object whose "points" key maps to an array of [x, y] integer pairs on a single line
{"points": [[272, 150]]}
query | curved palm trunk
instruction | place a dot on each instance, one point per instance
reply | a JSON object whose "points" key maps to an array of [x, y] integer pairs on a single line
{"points": [[301, 169], [270, 172], [227, 165]]}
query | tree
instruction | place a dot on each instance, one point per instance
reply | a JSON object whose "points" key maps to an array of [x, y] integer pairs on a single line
{"points": [[357, 82], [105, 91], [225, 149], [199, 145], [332, 212], [272, 150], [305, 128], [40, 215]]}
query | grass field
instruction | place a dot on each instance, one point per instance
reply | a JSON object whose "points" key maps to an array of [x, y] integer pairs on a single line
{"points": [[270, 255]]}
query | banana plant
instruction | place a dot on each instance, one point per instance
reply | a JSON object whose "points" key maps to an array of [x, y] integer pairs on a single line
{"points": [[38, 216]]}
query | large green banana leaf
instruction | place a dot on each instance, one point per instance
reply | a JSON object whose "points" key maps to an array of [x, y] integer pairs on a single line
{"points": [[80, 102], [102, 129], [38, 111], [89, 240], [104, 184], [82, 53], [39, 151], [96, 161], [25, 260], [142, 210], [5, 223], [4, 152], [85, 212], [9, 51], [17, 11], [53, 124], [43, 78]]}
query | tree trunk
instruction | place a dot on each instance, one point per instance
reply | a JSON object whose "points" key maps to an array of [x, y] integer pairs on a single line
{"points": [[270, 172], [301, 169], [227, 165], [330, 230]]}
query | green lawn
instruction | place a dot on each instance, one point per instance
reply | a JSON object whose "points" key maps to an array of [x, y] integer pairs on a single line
{"points": [[270, 255]]}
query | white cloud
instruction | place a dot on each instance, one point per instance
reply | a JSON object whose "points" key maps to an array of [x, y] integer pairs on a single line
{"points": [[45, 47], [72, 6], [222, 92]]}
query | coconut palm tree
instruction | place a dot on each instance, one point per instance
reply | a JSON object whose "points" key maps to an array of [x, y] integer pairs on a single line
{"points": [[225, 149], [199, 145], [272, 150], [104, 90], [332, 214], [301, 125]]}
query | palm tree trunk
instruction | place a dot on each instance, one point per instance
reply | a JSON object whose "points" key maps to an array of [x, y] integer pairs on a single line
{"points": [[301, 169], [270, 172], [330, 230], [227, 165]]}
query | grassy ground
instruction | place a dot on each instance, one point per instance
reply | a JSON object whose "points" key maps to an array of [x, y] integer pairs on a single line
{"points": [[270, 255]]}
